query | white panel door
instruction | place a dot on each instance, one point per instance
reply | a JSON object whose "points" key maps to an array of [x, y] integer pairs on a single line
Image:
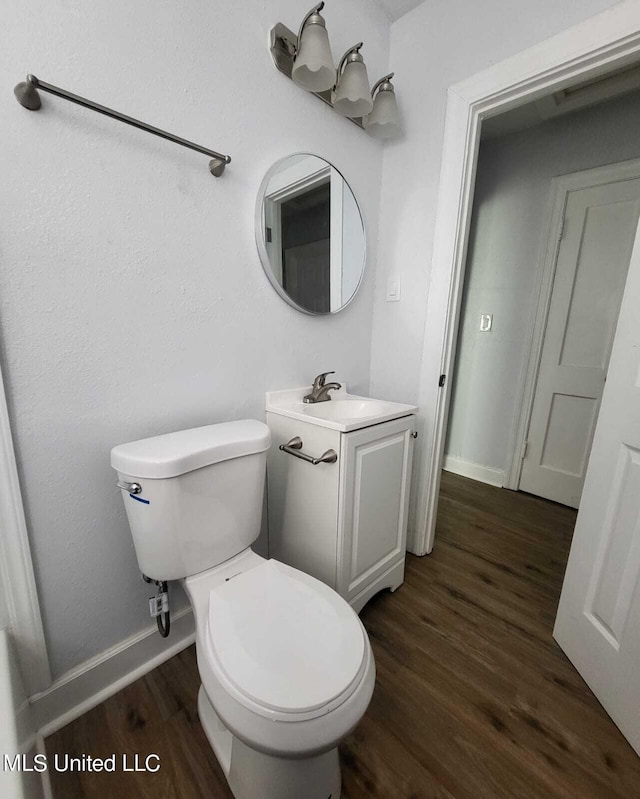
{"points": [[598, 622], [374, 502], [593, 259]]}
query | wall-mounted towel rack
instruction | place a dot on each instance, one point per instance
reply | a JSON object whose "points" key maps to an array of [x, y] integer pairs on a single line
{"points": [[27, 95], [294, 447]]}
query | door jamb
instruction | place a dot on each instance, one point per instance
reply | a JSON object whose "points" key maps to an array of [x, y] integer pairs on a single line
{"points": [[561, 187], [18, 578], [607, 41]]}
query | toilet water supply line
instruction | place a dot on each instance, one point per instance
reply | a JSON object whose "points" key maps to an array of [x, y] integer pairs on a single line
{"points": [[159, 606]]}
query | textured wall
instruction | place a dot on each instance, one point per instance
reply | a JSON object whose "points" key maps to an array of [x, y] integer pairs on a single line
{"points": [[132, 300], [4, 611], [507, 242]]}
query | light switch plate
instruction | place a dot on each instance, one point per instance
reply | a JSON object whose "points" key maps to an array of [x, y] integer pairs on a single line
{"points": [[486, 322], [393, 289]]}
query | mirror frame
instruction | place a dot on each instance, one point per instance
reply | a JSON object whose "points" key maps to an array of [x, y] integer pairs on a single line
{"points": [[262, 250]]}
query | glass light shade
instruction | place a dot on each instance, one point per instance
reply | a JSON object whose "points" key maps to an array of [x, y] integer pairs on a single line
{"points": [[353, 94], [313, 68], [383, 122]]}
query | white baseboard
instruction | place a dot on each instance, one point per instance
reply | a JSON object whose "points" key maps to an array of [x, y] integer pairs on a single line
{"points": [[476, 471], [89, 684]]}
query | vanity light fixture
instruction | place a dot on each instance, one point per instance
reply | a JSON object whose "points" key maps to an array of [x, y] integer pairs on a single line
{"points": [[352, 97], [383, 122], [307, 59], [313, 66]]}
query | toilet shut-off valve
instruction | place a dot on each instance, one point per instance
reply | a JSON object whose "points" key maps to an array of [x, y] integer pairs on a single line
{"points": [[159, 606]]}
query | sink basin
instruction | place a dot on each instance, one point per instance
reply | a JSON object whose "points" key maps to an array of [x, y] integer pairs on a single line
{"points": [[345, 409], [344, 412]]}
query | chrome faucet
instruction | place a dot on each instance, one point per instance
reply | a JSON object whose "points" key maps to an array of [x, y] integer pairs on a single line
{"points": [[320, 390]]}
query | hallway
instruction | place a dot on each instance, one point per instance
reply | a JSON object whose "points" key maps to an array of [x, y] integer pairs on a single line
{"points": [[474, 700]]}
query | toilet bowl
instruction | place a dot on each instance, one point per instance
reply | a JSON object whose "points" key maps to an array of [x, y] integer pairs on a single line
{"points": [[287, 672], [286, 665]]}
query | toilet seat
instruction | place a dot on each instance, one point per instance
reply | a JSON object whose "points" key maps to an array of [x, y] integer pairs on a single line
{"points": [[283, 644]]}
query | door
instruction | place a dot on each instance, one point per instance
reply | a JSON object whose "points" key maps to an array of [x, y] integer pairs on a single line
{"points": [[598, 622], [592, 263], [374, 502], [303, 499]]}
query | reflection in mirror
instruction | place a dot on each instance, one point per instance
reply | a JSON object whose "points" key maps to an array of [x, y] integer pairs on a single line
{"points": [[310, 234]]}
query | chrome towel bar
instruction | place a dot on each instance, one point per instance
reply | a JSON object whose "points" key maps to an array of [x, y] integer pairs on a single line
{"points": [[294, 447], [27, 95]]}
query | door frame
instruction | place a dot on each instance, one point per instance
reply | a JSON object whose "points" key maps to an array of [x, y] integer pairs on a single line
{"points": [[301, 183], [605, 42], [17, 578], [561, 187]]}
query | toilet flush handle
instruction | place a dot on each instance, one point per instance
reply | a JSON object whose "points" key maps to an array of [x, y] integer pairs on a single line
{"points": [[132, 488]]}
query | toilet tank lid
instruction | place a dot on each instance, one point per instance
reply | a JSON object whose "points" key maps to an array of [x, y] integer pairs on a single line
{"points": [[177, 453]]}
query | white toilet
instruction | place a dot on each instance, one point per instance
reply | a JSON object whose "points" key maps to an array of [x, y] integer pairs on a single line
{"points": [[286, 665]]}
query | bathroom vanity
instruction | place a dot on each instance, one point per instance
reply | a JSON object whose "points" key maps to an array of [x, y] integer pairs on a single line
{"points": [[338, 483]]}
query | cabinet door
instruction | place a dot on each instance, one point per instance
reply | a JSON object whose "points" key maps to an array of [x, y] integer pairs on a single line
{"points": [[374, 501], [303, 500]]}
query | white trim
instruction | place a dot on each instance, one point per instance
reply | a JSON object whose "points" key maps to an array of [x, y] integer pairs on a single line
{"points": [[298, 182], [287, 183], [336, 239], [17, 578], [561, 187], [528, 376], [476, 471], [41, 749], [604, 42], [91, 683]]}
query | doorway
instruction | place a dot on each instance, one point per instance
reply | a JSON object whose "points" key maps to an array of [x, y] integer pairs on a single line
{"points": [[562, 313], [609, 41], [593, 247], [306, 248], [537, 328]]}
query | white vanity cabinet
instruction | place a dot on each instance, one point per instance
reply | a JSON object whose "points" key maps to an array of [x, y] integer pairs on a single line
{"points": [[344, 522]]}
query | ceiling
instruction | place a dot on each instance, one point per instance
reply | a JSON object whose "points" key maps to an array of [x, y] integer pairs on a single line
{"points": [[573, 98], [398, 8]]}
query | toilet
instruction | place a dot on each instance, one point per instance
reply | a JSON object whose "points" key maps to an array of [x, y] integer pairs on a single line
{"points": [[286, 666]]}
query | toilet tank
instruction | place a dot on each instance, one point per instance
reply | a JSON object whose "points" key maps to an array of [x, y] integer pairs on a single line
{"points": [[199, 496]]}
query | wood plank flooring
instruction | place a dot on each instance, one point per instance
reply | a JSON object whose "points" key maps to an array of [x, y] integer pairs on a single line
{"points": [[473, 699]]}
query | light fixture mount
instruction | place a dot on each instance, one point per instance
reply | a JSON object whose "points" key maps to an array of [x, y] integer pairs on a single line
{"points": [[352, 54], [383, 85], [312, 17], [283, 45], [306, 59], [382, 122]]}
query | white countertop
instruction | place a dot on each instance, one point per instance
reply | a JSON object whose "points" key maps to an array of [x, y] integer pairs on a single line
{"points": [[336, 414]]}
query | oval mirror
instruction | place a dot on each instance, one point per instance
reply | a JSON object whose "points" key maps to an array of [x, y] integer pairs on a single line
{"points": [[310, 234]]}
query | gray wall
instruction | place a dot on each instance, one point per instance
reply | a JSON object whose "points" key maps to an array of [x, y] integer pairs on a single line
{"points": [[4, 610], [507, 242], [132, 300], [438, 44]]}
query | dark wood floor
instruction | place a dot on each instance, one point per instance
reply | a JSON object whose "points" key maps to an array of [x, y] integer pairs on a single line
{"points": [[474, 700]]}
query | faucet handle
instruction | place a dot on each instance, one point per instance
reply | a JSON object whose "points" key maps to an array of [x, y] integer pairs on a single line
{"points": [[320, 379]]}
